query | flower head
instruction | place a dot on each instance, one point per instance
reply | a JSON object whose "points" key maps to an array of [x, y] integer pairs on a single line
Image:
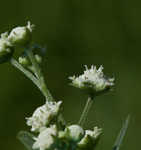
{"points": [[46, 138], [93, 79], [44, 115]]}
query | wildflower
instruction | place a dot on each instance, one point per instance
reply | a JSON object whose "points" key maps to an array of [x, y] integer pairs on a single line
{"points": [[74, 133], [21, 35], [6, 49], [44, 115], [90, 138], [46, 138], [93, 80]]}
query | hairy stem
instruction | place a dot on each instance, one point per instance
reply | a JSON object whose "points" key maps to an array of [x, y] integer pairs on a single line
{"points": [[39, 76], [26, 72], [85, 111]]}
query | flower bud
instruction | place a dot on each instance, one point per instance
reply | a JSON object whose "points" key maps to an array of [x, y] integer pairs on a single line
{"points": [[21, 35], [24, 61], [74, 133], [38, 59]]}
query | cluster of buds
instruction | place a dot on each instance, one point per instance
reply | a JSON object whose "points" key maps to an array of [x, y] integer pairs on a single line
{"points": [[19, 36]]}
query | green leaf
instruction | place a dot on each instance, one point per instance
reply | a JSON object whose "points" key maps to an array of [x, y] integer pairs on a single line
{"points": [[27, 139], [121, 135]]}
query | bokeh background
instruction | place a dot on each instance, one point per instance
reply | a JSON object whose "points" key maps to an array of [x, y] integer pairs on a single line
{"points": [[76, 32]]}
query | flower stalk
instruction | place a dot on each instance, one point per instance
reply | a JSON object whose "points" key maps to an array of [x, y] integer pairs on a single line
{"points": [[85, 111], [39, 76]]}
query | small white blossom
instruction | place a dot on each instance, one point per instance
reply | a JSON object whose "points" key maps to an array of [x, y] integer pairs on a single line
{"points": [[92, 79], [46, 138], [43, 115]]}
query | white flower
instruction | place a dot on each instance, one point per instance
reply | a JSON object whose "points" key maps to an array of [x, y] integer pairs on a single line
{"points": [[46, 138], [92, 79], [21, 35], [43, 115]]}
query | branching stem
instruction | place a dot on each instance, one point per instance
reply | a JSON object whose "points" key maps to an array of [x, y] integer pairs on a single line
{"points": [[26, 72], [39, 76]]}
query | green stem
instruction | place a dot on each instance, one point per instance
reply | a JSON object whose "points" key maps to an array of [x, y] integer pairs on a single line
{"points": [[39, 75], [26, 72], [85, 111]]}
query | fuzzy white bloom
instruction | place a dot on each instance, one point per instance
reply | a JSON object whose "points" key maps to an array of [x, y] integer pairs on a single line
{"points": [[43, 115], [46, 138], [21, 35], [92, 79]]}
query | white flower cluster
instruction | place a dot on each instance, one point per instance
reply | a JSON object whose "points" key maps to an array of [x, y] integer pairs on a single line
{"points": [[92, 79], [44, 115], [18, 36]]}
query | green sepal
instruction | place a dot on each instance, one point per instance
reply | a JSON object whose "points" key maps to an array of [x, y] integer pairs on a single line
{"points": [[27, 139]]}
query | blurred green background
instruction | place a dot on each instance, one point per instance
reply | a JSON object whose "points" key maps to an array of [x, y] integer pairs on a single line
{"points": [[76, 32]]}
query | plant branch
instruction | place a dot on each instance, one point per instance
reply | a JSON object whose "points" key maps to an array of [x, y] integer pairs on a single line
{"points": [[26, 72], [39, 76]]}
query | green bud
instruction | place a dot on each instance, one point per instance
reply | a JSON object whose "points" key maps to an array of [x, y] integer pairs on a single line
{"points": [[21, 35], [74, 133], [61, 135], [24, 61], [38, 59]]}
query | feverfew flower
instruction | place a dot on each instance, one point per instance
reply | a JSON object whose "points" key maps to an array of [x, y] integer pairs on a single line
{"points": [[46, 138], [93, 79], [44, 115], [21, 35]]}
